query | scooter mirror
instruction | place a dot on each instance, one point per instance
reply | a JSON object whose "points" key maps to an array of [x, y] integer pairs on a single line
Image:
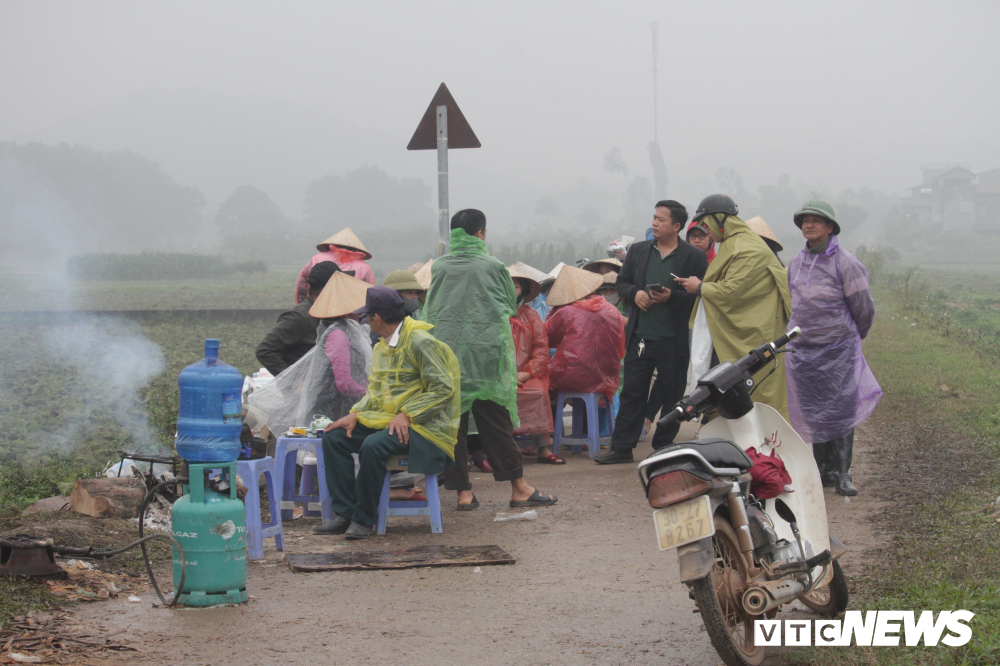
{"points": [[786, 514]]}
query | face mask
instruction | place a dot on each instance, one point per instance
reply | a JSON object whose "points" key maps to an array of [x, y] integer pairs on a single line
{"points": [[613, 299], [411, 305]]}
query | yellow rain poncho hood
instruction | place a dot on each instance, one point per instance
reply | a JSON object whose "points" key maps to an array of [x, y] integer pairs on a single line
{"points": [[419, 376], [745, 294], [470, 301]]}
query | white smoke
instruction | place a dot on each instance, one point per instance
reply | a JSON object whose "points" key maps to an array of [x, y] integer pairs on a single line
{"points": [[113, 361]]}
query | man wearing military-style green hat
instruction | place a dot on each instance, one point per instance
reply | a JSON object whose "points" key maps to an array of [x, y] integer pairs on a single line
{"points": [[409, 289], [831, 389]]}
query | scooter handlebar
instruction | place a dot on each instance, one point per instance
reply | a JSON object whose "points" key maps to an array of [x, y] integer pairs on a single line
{"points": [[674, 414], [786, 338]]}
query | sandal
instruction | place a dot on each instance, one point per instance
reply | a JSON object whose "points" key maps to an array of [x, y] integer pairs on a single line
{"points": [[529, 450], [474, 504], [536, 499], [551, 459]]}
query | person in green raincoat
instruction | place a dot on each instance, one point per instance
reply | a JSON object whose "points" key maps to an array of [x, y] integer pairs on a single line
{"points": [[470, 301], [744, 299], [411, 405]]}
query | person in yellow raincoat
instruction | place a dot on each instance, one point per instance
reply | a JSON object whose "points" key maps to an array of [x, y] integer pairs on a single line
{"points": [[412, 404], [743, 301]]}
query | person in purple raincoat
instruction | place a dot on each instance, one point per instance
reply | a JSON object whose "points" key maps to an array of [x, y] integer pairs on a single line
{"points": [[831, 389]]}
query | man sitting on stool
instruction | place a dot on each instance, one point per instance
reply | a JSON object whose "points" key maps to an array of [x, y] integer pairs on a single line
{"points": [[413, 400]]}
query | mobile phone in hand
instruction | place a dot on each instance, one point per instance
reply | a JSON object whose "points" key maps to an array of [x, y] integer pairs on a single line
{"points": [[657, 288]]}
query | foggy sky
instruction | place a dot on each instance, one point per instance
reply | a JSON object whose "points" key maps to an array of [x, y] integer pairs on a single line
{"points": [[224, 94]]}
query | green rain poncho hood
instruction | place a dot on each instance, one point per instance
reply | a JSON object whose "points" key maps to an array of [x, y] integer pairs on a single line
{"points": [[470, 302], [745, 294]]}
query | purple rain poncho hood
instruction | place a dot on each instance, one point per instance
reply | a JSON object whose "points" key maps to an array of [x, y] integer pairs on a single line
{"points": [[831, 389]]}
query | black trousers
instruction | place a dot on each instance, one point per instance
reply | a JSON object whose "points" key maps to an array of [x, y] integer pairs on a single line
{"points": [[670, 359], [496, 432]]}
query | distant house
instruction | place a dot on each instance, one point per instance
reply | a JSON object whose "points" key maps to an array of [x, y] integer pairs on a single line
{"points": [[953, 197]]}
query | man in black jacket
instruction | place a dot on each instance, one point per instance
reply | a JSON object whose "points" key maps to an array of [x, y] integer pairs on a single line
{"points": [[656, 337]]}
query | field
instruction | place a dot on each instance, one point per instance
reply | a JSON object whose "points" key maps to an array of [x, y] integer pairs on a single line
{"points": [[267, 291]]}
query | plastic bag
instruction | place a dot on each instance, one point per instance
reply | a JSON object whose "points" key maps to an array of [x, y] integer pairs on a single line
{"points": [[701, 348], [527, 515], [310, 387], [769, 475]]}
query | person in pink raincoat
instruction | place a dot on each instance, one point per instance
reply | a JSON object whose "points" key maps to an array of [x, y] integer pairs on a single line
{"points": [[831, 389], [346, 250]]}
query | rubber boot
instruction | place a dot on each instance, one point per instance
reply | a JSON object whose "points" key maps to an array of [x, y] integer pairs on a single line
{"points": [[827, 473], [845, 453]]}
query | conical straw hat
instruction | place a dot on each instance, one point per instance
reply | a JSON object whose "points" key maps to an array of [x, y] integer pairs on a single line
{"points": [[424, 275], [341, 296], [760, 226], [526, 272], [346, 239], [610, 278], [572, 284], [593, 265], [416, 267]]}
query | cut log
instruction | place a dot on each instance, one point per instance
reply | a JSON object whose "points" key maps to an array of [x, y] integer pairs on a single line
{"points": [[108, 498]]}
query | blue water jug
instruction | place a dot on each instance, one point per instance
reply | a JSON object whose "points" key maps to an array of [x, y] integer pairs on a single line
{"points": [[208, 418]]}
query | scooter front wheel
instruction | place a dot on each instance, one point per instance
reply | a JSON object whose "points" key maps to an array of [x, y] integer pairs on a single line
{"points": [[829, 600], [720, 599]]}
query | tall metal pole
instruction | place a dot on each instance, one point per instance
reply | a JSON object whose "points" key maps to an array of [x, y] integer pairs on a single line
{"points": [[442, 148], [656, 133]]}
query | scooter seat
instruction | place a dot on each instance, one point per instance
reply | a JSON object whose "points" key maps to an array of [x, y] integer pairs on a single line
{"points": [[718, 452]]}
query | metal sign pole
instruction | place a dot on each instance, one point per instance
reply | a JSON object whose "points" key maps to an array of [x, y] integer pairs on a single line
{"points": [[442, 148]]}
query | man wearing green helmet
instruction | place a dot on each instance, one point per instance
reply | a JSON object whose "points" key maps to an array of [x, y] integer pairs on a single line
{"points": [[410, 291], [742, 302], [831, 389]]}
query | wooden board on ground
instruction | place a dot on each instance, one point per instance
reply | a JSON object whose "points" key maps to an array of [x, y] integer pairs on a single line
{"points": [[420, 556]]}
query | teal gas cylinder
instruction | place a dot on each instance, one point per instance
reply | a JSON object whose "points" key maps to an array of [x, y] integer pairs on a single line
{"points": [[211, 528]]}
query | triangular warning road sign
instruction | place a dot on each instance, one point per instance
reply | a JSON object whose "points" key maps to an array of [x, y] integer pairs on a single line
{"points": [[460, 135]]}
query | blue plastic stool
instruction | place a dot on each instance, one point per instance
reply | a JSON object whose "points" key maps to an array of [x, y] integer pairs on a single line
{"points": [[581, 402], [284, 467], [309, 485], [432, 507], [250, 471]]}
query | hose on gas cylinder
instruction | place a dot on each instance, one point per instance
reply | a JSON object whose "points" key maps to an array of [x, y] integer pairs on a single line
{"points": [[145, 554]]}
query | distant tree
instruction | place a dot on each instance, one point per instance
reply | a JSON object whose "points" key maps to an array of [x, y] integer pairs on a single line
{"points": [[639, 202], [92, 200], [614, 163], [251, 225], [547, 207]]}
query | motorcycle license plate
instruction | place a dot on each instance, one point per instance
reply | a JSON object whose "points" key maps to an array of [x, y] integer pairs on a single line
{"points": [[684, 522]]}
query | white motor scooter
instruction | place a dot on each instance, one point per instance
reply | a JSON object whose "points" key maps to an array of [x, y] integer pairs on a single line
{"points": [[742, 557]]}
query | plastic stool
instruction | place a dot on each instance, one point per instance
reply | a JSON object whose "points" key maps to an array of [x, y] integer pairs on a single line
{"points": [[250, 471], [592, 440], [309, 484], [431, 507], [284, 467]]}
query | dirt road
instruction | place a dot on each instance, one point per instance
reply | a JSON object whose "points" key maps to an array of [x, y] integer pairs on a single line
{"points": [[589, 587]]}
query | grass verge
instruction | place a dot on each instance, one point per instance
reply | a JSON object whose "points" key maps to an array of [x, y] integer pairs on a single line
{"points": [[936, 361]]}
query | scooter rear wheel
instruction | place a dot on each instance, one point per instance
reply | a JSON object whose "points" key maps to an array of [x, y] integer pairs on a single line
{"points": [[829, 600], [720, 599]]}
